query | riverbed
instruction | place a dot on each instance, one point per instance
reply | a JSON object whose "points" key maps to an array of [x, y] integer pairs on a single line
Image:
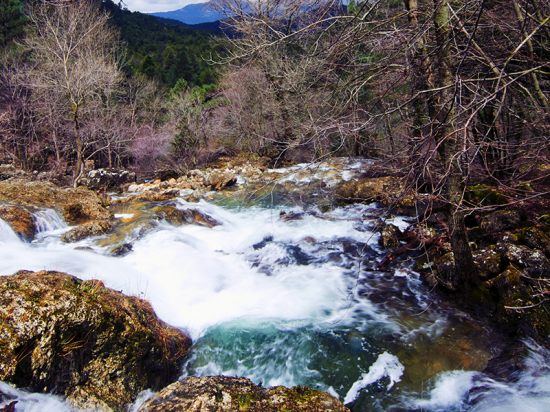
{"points": [[285, 291]]}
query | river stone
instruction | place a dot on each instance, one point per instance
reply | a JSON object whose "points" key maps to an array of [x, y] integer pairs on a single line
{"points": [[177, 216], [76, 205], [86, 230], [222, 393], [500, 220], [389, 236], [20, 220], [94, 345]]}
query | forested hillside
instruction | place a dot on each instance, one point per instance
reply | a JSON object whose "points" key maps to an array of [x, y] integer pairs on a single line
{"points": [[164, 51]]}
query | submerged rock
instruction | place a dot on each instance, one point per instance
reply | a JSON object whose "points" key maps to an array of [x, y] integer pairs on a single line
{"points": [[122, 250], [20, 220], [94, 345], [222, 393]]}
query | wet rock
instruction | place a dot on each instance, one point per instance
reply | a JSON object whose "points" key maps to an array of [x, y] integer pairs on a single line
{"points": [[221, 393], [122, 250], [219, 179], [521, 255], [488, 261], [20, 220], [96, 228], [9, 407], [176, 216], [81, 340], [263, 243], [76, 205], [291, 215], [500, 220], [107, 178], [389, 236], [146, 228]]}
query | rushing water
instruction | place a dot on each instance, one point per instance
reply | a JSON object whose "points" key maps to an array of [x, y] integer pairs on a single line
{"points": [[287, 301]]}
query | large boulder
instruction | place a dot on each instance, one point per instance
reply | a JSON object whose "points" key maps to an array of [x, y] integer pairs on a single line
{"points": [[222, 393], [107, 178], [20, 220], [76, 205], [94, 345]]}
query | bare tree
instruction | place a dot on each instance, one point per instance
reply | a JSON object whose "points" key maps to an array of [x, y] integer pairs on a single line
{"points": [[76, 55]]}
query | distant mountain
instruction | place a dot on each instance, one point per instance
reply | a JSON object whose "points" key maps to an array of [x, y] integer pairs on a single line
{"points": [[192, 14]]}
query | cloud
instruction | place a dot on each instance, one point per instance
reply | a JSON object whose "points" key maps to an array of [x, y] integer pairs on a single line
{"points": [[154, 6]]}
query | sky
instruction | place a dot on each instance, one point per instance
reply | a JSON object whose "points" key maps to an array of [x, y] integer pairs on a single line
{"points": [[153, 6]]}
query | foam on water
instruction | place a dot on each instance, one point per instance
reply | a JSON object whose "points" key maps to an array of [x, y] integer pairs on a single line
{"points": [[33, 402], [386, 365], [48, 220], [7, 235], [280, 302]]}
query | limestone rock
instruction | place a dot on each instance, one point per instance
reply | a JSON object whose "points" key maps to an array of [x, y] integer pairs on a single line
{"points": [[222, 393], [95, 228], [387, 190], [94, 345], [76, 205], [20, 220], [107, 178], [219, 179]]}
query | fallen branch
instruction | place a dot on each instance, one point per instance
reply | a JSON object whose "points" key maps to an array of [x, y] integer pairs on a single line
{"points": [[414, 245], [527, 307]]}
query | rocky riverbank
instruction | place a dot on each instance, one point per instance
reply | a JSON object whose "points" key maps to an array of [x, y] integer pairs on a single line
{"points": [[510, 241]]}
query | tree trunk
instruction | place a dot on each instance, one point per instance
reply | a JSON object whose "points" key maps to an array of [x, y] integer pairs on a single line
{"points": [[79, 150], [444, 118]]}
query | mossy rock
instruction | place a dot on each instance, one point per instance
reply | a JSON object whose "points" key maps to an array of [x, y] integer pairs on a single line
{"points": [[484, 195], [76, 205], [501, 220], [222, 393], [91, 344]]}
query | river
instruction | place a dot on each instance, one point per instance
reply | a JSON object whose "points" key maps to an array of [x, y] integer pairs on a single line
{"points": [[285, 292]]}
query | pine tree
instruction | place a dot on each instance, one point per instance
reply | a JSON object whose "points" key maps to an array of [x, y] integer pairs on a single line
{"points": [[12, 21]]}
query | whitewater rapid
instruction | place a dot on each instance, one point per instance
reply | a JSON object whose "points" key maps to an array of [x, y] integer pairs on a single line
{"points": [[291, 302]]}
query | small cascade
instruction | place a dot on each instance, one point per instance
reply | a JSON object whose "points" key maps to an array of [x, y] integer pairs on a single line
{"points": [[7, 235], [47, 220]]}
